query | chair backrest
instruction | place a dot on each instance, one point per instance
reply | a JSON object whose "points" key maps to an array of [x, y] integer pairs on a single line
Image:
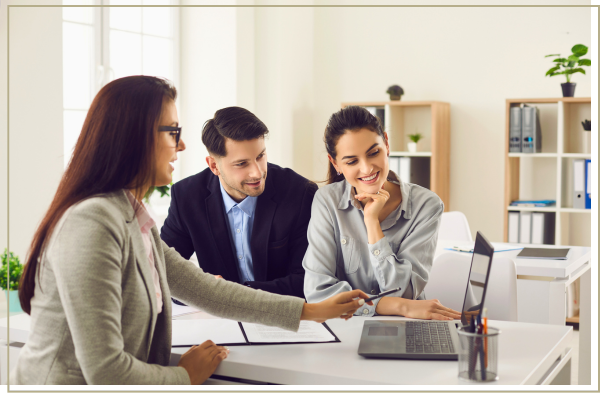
{"points": [[501, 296], [447, 283], [454, 226], [448, 280]]}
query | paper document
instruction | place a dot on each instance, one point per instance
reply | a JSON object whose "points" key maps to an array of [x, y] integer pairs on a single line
{"points": [[309, 331], [178, 310], [191, 332]]}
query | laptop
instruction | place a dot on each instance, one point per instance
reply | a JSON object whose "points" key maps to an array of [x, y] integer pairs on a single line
{"points": [[427, 340]]}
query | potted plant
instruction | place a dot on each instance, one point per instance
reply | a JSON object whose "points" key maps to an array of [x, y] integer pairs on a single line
{"points": [[567, 66], [10, 274], [587, 136], [163, 190], [395, 92], [414, 139]]}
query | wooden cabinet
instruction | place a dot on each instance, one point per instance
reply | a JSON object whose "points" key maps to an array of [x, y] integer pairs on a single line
{"points": [[430, 118]]}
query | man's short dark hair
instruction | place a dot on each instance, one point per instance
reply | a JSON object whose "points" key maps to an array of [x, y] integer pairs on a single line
{"points": [[235, 123]]}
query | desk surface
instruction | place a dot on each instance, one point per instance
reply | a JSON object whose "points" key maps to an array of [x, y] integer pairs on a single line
{"points": [[526, 353], [578, 256]]}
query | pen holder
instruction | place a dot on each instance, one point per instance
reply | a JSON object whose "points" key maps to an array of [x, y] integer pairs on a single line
{"points": [[478, 355]]}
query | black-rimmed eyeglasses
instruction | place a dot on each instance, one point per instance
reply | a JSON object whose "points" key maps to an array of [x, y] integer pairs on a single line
{"points": [[173, 130]]}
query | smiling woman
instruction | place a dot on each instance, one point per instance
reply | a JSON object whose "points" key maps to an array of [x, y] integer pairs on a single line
{"points": [[368, 230], [98, 279]]}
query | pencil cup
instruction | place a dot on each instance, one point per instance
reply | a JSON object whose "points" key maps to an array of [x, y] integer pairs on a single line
{"points": [[478, 355]]}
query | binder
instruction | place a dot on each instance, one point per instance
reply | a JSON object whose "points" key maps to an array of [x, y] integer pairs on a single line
{"points": [[579, 184], [513, 226], [542, 227], [531, 135], [588, 184], [404, 167], [525, 227], [514, 145]]}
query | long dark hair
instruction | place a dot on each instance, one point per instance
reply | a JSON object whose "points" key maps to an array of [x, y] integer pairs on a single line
{"points": [[351, 118], [115, 150]]}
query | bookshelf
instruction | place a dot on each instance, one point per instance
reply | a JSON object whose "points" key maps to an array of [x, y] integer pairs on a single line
{"points": [[549, 174], [432, 119]]}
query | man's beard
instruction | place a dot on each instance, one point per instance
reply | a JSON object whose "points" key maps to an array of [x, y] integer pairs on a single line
{"points": [[241, 190]]}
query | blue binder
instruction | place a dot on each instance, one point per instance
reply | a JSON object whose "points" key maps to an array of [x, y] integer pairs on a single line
{"points": [[588, 184]]}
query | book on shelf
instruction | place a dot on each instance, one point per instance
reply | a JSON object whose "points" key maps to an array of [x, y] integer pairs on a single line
{"points": [[531, 134], [588, 184], [579, 184], [379, 112], [531, 227], [515, 130], [533, 203]]}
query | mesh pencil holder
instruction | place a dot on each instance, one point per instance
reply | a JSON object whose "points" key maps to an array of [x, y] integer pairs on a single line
{"points": [[478, 355]]}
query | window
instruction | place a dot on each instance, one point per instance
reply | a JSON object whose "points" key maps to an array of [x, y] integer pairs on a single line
{"points": [[105, 43]]}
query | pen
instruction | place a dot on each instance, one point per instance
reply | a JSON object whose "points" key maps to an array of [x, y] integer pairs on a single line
{"points": [[383, 294], [481, 352], [473, 355], [485, 331]]}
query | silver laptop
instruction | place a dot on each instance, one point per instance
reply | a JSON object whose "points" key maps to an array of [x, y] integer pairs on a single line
{"points": [[426, 340]]}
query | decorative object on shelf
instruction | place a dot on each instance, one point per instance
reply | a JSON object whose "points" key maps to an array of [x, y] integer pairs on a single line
{"points": [[532, 203], [395, 92], [414, 139], [586, 139], [568, 65], [11, 282], [163, 190]]}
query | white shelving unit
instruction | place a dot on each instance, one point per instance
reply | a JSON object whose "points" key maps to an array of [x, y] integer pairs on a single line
{"points": [[549, 174]]}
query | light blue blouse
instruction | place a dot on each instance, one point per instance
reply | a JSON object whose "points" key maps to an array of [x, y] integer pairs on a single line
{"points": [[339, 257]]}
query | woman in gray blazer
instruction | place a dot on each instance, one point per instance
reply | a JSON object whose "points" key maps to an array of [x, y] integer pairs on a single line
{"points": [[368, 230], [98, 279]]}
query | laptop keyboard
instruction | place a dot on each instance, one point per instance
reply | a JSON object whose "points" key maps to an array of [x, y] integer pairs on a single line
{"points": [[428, 337]]}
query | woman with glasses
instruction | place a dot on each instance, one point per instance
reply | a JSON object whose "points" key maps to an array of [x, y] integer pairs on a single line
{"points": [[98, 279], [368, 230]]}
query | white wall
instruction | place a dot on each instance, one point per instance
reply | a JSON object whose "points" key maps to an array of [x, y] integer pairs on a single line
{"points": [[473, 58], [35, 119]]}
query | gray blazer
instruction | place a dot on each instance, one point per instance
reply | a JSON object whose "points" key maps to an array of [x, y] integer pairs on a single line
{"points": [[93, 314]]}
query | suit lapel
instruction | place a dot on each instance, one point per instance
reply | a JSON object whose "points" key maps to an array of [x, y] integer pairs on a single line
{"points": [[259, 240], [215, 212]]}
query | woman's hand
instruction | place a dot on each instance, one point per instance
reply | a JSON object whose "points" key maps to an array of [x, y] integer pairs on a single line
{"points": [[375, 203], [420, 309], [341, 305], [201, 361]]}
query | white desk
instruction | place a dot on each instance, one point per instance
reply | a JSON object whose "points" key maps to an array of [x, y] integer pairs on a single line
{"points": [[541, 292], [528, 354]]}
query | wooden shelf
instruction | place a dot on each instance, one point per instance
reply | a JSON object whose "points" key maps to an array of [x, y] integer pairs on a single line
{"points": [[432, 119], [573, 320], [552, 100], [408, 154], [576, 210], [576, 155]]}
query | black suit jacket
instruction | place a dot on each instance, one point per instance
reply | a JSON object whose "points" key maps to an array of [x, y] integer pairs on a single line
{"points": [[197, 222]]}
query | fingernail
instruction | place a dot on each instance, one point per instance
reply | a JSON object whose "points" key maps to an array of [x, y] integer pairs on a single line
{"points": [[361, 302]]}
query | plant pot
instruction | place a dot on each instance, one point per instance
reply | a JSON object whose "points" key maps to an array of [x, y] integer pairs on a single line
{"points": [[568, 89], [586, 142], [412, 147], [12, 296], [395, 97]]}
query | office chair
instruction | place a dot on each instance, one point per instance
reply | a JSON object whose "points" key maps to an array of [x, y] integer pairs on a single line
{"points": [[454, 226]]}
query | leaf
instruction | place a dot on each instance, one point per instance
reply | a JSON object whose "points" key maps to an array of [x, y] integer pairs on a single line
{"points": [[551, 71], [586, 62], [560, 60], [571, 64], [575, 70], [553, 55], [579, 50], [573, 58]]}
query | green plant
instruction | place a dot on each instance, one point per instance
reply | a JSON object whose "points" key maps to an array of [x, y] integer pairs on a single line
{"points": [[163, 190], [395, 90], [415, 137], [16, 269], [570, 62], [587, 125]]}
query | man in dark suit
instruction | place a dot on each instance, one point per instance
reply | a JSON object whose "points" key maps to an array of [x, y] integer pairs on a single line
{"points": [[246, 219]]}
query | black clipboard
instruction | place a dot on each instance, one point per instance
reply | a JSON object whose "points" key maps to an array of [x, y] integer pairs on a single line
{"points": [[248, 343]]}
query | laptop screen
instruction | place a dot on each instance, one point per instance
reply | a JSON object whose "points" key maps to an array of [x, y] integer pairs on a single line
{"points": [[480, 264]]}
